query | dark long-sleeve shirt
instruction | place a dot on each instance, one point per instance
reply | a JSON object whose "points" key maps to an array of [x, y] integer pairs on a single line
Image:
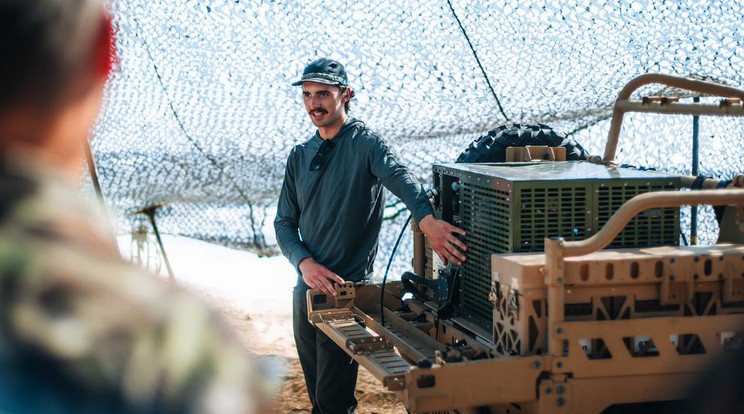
{"points": [[338, 223]]}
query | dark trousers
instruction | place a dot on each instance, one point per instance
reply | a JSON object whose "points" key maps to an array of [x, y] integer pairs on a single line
{"points": [[330, 374]]}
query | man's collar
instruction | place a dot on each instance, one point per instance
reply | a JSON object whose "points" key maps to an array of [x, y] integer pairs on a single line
{"points": [[345, 127]]}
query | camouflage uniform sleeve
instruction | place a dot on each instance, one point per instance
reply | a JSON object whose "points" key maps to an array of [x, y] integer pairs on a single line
{"points": [[109, 325]]}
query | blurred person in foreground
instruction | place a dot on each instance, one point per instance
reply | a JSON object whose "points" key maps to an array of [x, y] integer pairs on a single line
{"points": [[329, 217], [81, 330]]}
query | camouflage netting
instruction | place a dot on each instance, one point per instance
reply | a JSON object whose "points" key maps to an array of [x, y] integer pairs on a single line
{"points": [[200, 116]]}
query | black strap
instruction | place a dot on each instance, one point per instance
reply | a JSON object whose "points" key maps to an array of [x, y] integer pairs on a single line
{"points": [[698, 183], [319, 176], [641, 168], [719, 210], [329, 156]]}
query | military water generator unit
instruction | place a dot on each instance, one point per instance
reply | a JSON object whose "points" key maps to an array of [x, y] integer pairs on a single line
{"points": [[513, 207]]}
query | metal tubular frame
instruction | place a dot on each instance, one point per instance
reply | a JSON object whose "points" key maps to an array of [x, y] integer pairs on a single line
{"points": [[556, 249], [623, 103]]}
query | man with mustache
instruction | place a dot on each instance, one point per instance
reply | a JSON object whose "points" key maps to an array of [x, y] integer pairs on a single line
{"points": [[329, 217]]}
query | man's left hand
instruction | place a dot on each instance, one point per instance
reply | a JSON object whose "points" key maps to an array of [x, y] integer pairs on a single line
{"points": [[441, 236]]}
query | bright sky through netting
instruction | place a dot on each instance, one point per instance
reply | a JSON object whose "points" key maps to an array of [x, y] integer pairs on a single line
{"points": [[201, 116]]}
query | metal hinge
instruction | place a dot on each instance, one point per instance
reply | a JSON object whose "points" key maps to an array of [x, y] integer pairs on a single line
{"points": [[362, 346]]}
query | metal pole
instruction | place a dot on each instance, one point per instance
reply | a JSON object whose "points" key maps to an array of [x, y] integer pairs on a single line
{"points": [[695, 165], [93, 171], [554, 277], [150, 213]]}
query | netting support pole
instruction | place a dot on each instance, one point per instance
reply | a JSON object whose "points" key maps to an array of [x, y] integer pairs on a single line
{"points": [[695, 167], [150, 213], [93, 171]]}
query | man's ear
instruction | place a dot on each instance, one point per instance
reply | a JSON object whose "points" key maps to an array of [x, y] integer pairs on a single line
{"points": [[105, 52]]}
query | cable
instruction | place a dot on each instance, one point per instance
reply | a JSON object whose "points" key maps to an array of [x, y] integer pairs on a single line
{"points": [[396, 214], [212, 160], [384, 278], [483, 71]]}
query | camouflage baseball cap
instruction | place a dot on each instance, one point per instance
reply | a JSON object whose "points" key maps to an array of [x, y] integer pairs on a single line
{"points": [[325, 71]]}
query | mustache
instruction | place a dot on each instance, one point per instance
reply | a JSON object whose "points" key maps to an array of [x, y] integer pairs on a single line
{"points": [[318, 110]]}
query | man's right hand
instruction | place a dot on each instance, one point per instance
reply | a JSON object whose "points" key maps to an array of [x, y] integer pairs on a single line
{"points": [[441, 237], [318, 277]]}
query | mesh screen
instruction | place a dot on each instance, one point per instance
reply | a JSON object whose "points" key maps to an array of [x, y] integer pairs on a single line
{"points": [[200, 116]]}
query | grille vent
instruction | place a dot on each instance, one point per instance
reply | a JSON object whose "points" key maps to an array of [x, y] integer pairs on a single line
{"points": [[650, 228], [485, 216], [551, 212]]}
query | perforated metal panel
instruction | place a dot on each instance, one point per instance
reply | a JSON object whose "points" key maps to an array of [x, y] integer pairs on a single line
{"points": [[513, 207], [557, 209], [650, 228], [484, 213]]}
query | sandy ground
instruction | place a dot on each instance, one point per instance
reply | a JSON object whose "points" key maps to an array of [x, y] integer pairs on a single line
{"points": [[267, 330], [255, 296]]}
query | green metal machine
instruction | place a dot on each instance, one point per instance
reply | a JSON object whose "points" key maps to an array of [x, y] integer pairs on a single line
{"points": [[513, 207]]}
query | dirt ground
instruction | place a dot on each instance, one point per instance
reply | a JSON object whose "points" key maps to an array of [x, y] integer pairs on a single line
{"points": [[267, 330]]}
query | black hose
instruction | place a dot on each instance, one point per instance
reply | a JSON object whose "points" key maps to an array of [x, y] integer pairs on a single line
{"points": [[384, 278]]}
